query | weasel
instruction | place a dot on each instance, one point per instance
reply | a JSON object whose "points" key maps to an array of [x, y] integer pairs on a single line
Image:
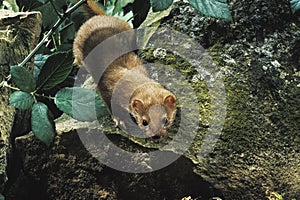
{"points": [[125, 83]]}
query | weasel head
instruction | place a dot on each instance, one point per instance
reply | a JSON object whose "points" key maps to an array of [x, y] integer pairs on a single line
{"points": [[154, 117]]}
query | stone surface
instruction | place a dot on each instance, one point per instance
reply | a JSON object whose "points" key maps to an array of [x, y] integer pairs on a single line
{"points": [[19, 33], [258, 151]]}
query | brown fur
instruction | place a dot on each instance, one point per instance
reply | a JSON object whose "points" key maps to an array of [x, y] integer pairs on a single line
{"points": [[125, 84]]}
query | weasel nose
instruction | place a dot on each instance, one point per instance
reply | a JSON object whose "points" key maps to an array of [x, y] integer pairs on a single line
{"points": [[155, 137], [160, 134]]}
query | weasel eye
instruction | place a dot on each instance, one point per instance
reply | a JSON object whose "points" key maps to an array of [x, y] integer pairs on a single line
{"points": [[145, 123], [165, 121]]}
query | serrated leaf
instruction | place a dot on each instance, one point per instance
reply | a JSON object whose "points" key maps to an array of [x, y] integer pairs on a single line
{"points": [[295, 5], [42, 123], [214, 8], [159, 5], [80, 103], [22, 78], [39, 61], [21, 100], [55, 70]]}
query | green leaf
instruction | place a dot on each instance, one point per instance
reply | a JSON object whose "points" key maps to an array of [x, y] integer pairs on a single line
{"points": [[295, 5], [59, 5], [22, 78], [55, 70], [49, 16], [39, 61], [159, 5], [120, 4], [214, 8], [29, 4], [80, 103], [42, 123], [128, 17], [154, 18], [21, 100], [67, 33]]}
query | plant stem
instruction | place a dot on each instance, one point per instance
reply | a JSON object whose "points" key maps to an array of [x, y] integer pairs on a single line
{"points": [[2, 84], [52, 30], [48, 97], [5, 84]]}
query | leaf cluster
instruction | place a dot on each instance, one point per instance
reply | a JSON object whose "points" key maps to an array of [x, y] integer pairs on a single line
{"points": [[213, 8], [77, 102]]}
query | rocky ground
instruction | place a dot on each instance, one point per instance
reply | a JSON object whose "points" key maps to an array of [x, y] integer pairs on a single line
{"points": [[257, 155]]}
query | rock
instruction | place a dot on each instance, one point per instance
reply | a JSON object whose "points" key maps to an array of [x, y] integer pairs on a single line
{"points": [[68, 171], [258, 150], [19, 33]]}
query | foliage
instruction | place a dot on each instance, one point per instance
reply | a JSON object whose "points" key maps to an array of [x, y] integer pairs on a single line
{"points": [[76, 102], [21, 100], [295, 5], [55, 70], [80, 103], [42, 123], [214, 8], [160, 5], [22, 78]]}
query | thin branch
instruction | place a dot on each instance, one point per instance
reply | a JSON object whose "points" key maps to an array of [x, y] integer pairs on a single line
{"points": [[48, 35], [41, 95], [5, 84]]}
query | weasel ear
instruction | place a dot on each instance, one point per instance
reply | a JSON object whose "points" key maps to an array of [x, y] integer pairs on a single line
{"points": [[137, 105], [170, 101]]}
